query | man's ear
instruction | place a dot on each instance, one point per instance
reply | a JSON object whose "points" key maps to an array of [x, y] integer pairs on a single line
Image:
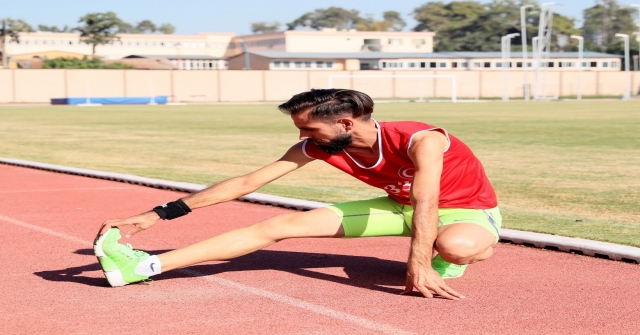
{"points": [[346, 123]]}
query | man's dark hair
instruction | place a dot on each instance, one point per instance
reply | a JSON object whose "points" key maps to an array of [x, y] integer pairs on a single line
{"points": [[328, 104]]}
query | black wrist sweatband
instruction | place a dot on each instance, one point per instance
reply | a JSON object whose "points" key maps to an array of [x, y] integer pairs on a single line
{"points": [[172, 210]]}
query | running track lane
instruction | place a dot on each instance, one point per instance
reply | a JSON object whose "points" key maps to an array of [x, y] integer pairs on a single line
{"points": [[52, 283]]}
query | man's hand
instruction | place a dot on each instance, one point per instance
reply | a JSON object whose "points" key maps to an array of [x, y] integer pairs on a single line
{"points": [[426, 280], [140, 222]]}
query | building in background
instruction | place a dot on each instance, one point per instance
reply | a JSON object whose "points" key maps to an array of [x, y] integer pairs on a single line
{"points": [[333, 40], [397, 61], [327, 49], [203, 51]]}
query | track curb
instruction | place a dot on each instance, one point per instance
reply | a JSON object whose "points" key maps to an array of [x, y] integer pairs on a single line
{"points": [[544, 241]]}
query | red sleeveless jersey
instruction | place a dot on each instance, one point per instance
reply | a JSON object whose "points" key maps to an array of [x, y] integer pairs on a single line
{"points": [[463, 183]]}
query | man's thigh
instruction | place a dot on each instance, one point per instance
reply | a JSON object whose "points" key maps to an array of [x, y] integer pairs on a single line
{"points": [[374, 217]]}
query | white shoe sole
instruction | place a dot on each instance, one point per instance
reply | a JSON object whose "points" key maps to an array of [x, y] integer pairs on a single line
{"points": [[113, 277]]}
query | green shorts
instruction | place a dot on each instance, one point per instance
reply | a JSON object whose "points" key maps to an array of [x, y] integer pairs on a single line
{"points": [[386, 217]]}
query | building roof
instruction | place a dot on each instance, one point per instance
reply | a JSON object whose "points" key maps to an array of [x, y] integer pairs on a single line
{"points": [[426, 55], [184, 57]]}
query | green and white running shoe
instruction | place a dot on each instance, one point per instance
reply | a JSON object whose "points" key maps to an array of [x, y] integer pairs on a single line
{"points": [[447, 270], [118, 260]]}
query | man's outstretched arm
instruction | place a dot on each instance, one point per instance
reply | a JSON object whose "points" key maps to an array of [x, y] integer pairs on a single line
{"points": [[426, 152], [221, 192]]}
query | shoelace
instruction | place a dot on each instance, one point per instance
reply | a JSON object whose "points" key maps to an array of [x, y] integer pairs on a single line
{"points": [[138, 253]]}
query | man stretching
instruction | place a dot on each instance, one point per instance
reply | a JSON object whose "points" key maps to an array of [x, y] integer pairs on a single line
{"points": [[437, 193]]}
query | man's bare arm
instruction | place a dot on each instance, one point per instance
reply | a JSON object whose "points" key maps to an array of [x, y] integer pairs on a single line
{"points": [[426, 152], [221, 192], [236, 187]]}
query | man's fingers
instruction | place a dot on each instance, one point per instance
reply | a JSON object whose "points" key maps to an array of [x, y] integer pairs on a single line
{"points": [[408, 288], [445, 291], [424, 291], [136, 229]]}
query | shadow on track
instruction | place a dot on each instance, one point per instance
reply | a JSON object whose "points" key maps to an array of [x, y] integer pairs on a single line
{"points": [[365, 272]]}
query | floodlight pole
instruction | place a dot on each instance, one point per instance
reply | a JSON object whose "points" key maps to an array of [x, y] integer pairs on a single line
{"points": [[506, 64], [627, 92], [523, 30], [580, 56], [245, 48]]}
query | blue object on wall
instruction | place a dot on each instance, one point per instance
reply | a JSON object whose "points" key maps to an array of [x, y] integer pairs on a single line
{"points": [[110, 101]]}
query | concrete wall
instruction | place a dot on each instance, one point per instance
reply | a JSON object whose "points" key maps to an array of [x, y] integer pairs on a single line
{"points": [[255, 85]]}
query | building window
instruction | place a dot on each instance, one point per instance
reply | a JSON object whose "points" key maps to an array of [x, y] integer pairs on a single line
{"points": [[614, 64], [423, 64], [329, 65], [276, 64], [286, 64], [418, 42], [395, 41], [499, 64], [432, 65], [442, 65], [551, 64], [519, 64], [319, 64], [307, 65], [567, 64], [412, 64], [298, 64], [384, 65]]}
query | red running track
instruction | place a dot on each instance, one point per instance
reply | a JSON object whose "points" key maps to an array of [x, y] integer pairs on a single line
{"points": [[52, 283]]}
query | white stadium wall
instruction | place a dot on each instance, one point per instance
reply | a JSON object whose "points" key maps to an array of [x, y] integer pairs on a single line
{"points": [[39, 86]]}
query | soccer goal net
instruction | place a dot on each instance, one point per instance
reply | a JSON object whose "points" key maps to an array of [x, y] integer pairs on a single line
{"points": [[419, 88]]}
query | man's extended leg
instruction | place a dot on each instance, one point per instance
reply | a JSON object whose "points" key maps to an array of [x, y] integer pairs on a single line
{"points": [[122, 265], [316, 223]]}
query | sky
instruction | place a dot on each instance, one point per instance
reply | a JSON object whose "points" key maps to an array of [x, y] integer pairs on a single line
{"points": [[233, 16]]}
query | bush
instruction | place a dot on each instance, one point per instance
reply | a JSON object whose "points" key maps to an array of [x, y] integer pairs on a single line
{"points": [[84, 63]]}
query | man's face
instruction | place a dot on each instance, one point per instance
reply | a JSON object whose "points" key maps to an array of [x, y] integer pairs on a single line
{"points": [[330, 137]]}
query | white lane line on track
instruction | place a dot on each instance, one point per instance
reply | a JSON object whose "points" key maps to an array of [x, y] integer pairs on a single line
{"points": [[44, 230], [362, 322], [68, 189]]}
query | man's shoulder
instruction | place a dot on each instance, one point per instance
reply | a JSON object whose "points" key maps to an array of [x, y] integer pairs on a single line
{"points": [[406, 127]]}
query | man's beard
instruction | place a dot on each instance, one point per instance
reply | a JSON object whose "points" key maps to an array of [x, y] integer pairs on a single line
{"points": [[335, 145]]}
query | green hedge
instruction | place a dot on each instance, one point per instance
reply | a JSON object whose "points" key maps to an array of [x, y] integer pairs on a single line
{"points": [[84, 63]]}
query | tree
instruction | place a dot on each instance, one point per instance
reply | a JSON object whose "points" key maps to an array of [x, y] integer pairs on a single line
{"points": [[392, 22], [472, 26], [146, 26], [54, 29], [265, 27], [166, 28], [98, 29], [332, 17], [11, 28], [394, 18], [603, 21]]}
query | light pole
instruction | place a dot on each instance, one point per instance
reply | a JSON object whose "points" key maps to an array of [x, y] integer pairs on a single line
{"points": [[247, 61], [627, 92], [580, 56], [523, 30], [506, 63]]}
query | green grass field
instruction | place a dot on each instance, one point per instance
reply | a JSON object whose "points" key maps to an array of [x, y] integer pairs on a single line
{"points": [[566, 168]]}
